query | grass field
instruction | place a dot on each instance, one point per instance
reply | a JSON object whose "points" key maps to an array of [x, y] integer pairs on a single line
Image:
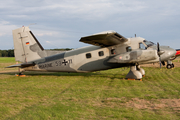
{"points": [[92, 96]]}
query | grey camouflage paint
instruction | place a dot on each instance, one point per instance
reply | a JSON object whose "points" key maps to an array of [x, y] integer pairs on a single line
{"points": [[29, 51]]}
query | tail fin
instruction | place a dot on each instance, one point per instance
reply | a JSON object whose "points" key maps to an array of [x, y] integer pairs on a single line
{"points": [[26, 46]]}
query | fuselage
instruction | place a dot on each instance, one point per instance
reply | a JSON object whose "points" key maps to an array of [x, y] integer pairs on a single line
{"points": [[86, 59], [95, 58], [110, 50]]}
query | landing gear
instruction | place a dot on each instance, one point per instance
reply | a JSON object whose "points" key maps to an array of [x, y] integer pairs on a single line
{"points": [[140, 70], [169, 64], [135, 73], [20, 74]]}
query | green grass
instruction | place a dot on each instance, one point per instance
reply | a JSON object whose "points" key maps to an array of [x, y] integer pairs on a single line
{"points": [[97, 95], [7, 61]]}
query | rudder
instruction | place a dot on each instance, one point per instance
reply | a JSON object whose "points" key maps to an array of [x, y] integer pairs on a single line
{"points": [[26, 46]]}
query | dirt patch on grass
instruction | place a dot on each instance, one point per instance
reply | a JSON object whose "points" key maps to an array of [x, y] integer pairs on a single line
{"points": [[154, 104]]}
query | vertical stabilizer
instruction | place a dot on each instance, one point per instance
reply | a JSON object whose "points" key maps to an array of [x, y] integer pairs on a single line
{"points": [[26, 46]]}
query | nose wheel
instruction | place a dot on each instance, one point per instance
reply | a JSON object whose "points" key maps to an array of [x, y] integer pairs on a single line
{"points": [[169, 66]]}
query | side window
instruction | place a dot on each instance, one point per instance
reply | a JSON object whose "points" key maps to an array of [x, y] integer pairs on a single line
{"points": [[101, 53], [88, 55], [128, 48], [113, 51], [141, 46]]}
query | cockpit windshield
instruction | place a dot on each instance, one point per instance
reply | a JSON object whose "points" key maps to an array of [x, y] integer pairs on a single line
{"points": [[149, 43]]}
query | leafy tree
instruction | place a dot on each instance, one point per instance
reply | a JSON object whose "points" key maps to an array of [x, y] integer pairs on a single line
{"points": [[7, 53]]}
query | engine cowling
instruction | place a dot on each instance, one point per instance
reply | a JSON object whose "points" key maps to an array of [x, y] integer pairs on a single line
{"points": [[134, 56]]}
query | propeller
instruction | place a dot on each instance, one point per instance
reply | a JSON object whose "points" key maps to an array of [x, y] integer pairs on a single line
{"points": [[159, 52]]}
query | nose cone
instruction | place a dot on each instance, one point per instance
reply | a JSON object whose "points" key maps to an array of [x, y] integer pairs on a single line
{"points": [[168, 53]]}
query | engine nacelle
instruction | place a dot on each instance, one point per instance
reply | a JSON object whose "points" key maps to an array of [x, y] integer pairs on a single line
{"points": [[135, 56]]}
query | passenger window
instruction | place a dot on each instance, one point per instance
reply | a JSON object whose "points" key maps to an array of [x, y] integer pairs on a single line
{"points": [[113, 51], [128, 48], [88, 55], [142, 46], [101, 53]]}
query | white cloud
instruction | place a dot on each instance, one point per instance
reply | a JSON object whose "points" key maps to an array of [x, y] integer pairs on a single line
{"points": [[6, 28], [1, 34], [57, 17], [18, 16], [84, 9], [94, 9], [46, 33]]}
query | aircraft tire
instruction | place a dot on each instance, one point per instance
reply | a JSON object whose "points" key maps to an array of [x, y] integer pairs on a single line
{"points": [[169, 66]]}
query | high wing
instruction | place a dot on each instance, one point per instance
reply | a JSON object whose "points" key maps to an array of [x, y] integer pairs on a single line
{"points": [[104, 39]]}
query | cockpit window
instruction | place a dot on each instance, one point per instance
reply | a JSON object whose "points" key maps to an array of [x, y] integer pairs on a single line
{"points": [[148, 43], [141, 46], [128, 49]]}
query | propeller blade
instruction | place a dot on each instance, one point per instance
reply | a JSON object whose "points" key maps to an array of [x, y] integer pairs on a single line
{"points": [[160, 62], [158, 47], [159, 53]]}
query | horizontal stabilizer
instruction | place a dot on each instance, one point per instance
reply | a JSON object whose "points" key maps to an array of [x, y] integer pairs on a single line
{"points": [[21, 65]]}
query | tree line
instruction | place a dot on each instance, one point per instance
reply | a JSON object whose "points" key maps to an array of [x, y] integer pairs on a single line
{"points": [[7, 53], [10, 52]]}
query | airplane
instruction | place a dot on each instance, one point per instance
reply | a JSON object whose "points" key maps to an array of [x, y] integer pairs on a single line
{"points": [[108, 50]]}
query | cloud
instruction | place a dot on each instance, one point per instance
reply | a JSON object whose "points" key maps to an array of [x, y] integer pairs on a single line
{"points": [[94, 9], [6, 28], [1, 34], [68, 20], [83, 9], [46, 33]]}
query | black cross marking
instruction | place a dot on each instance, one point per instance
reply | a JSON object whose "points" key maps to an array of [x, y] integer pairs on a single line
{"points": [[65, 62]]}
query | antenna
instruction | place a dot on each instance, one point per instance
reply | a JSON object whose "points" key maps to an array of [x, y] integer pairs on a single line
{"points": [[31, 24]]}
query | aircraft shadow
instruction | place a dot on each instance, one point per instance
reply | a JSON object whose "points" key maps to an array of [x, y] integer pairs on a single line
{"points": [[93, 74]]}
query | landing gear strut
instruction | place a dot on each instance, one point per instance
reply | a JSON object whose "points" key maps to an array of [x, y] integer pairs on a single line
{"points": [[135, 73]]}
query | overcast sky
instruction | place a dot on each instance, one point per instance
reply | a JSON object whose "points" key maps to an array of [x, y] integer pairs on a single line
{"points": [[61, 23]]}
